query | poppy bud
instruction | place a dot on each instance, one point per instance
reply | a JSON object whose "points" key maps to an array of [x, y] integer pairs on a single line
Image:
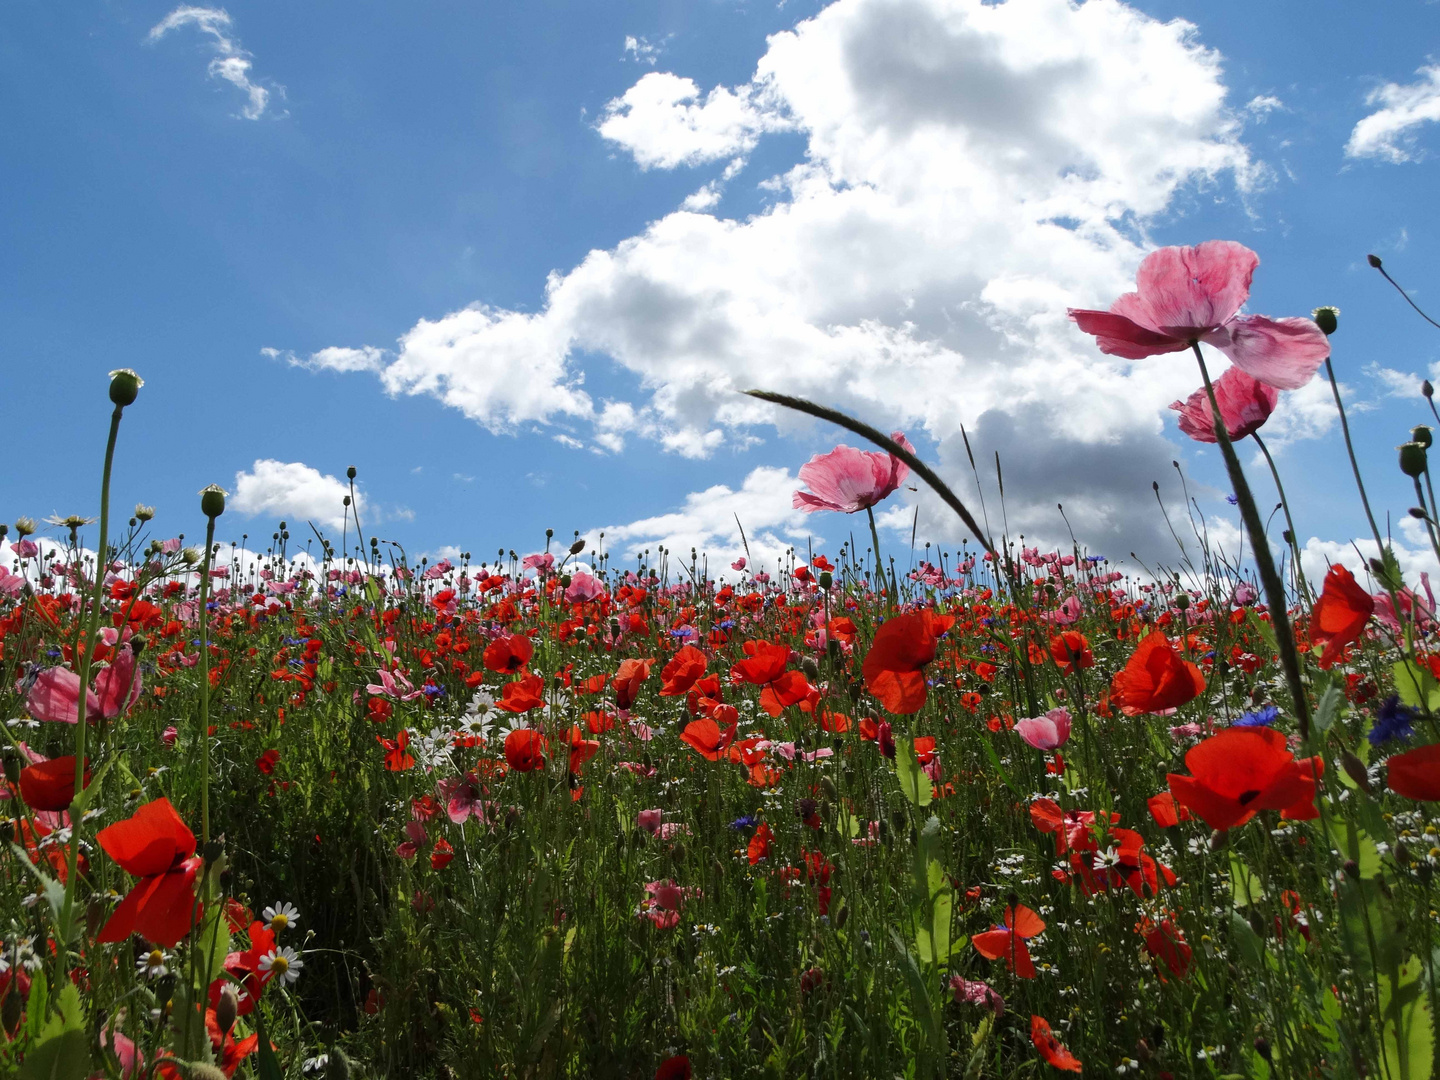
{"points": [[338, 1067], [95, 912], [1262, 1046], [842, 916], [577, 547], [125, 387], [1402, 852], [227, 1008], [12, 765], [1374, 261], [1355, 769], [1327, 318], [810, 668], [203, 1070], [1427, 389], [13, 1010], [1351, 869], [1217, 839], [1421, 434], [1417, 512], [1412, 459], [1288, 536], [1182, 602], [138, 644], [828, 786], [212, 501]]}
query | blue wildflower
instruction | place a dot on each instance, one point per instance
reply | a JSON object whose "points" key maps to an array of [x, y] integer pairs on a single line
{"points": [[1392, 722], [746, 822], [1233, 500], [1262, 717]]}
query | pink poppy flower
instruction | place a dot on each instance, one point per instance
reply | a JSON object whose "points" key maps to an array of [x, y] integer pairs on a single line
{"points": [[650, 820], [849, 480], [1245, 404], [56, 693], [584, 588], [1047, 732], [1188, 294]]}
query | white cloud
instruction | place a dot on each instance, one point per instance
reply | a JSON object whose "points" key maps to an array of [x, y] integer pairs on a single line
{"points": [[333, 358], [664, 121], [707, 523], [970, 170], [642, 50], [1307, 413], [231, 63], [1388, 133], [1396, 384], [1413, 552], [294, 490]]}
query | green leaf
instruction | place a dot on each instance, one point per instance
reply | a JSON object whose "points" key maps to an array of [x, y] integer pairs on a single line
{"points": [[37, 1008], [1415, 685], [267, 1065], [1365, 917], [1331, 707], [1354, 845], [1247, 943], [1389, 573], [1245, 887], [1407, 1034], [87, 796], [914, 782], [994, 757], [214, 944], [62, 1052], [51, 889]]}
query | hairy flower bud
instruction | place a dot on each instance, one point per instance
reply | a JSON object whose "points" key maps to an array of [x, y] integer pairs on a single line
{"points": [[1374, 261], [227, 1008], [1355, 769], [577, 547]]}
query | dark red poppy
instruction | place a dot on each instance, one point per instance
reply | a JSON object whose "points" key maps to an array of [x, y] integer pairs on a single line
{"points": [[684, 670], [1156, 679], [267, 761], [628, 680], [154, 845], [50, 785], [1415, 774], [1050, 1047], [674, 1068], [1239, 771], [1070, 648], [1165, 942], [894, 666], [759, 846], [525, 749], [509, 654], [1340, 615]]}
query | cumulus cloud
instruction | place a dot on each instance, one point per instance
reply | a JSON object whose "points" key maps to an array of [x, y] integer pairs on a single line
{"points": [[1412, 549], [231, 63], [970, 170], [293, 490], [1388, 133], [334, 358]]}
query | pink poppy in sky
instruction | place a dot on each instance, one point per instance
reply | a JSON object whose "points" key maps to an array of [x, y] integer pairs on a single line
{"points": [[849, 480], [1189, 294], [1245, 404]]}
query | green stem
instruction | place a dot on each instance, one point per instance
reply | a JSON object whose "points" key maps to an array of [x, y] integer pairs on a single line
{"points": [[87, 652], [1350, 449], [879, 567], [1264, 561], [1289, 521], [205, 684]]}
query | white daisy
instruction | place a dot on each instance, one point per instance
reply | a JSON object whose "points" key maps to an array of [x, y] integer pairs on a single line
{"points": [[152, 964], [281, 916], [283, 963]]}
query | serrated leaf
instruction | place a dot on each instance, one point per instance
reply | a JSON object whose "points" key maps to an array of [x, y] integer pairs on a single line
{"points": [[1331, 707], [1407, 1034], [1365, 917], [1415, 685], [1247, 943], [1388, 573], [1354, 845], [213, 944], [1245, 887], [914, 782], [51, 889], [60, 1055]]}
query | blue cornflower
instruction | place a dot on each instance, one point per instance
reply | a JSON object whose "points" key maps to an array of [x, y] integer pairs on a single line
{"points": [[1392, 722], [1261, 717], [1233, 500], [746, 822]]}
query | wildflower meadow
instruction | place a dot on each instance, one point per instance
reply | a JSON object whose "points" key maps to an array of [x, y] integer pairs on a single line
{"points": [[993, 811]]}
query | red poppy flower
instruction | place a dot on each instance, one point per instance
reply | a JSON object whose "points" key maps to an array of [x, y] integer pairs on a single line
{"points": [[1243, 770], [790, 688], [1009, 941], [674, 1068], [154, 845], [397, 757], [508, 654], [50, 785], [705, 736], [1050, 1047], [1070, 647], [894, 666], [1415, 774], [581, 749], [525, 749], [1166, 811], [267, 761], [628, 680], [1165, 942], [522, 695], [1156, 679], [1340, 615], [684, 670], [759, 846], [764, 663]]}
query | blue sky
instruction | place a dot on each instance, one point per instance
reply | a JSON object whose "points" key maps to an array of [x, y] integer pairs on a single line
{"points": [[239, 202]]}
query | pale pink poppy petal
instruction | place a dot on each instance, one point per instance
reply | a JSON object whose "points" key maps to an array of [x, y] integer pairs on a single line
{"points": [[1245, 403], [1117, 335], [56, 697], [118, 686], [1284, 353], [1189, 290]]}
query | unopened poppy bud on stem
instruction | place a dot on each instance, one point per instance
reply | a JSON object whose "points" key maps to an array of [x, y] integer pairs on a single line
{"points": [[1355, 769], [577, 547], [1427, 389], [212, 501], [1374, 261], [125, 386]]}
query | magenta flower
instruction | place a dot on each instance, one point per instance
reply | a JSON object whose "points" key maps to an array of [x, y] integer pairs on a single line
{"points": [[1047, 732], [55, 695], [849, 480], [1189, 294], [1245, 404]]}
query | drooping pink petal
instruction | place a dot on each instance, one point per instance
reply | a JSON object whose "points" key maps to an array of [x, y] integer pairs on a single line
{"points": [[848, 480], [118, 686], [1284, 353], [1117, 335], [56, 697], [1186, 291], [1245, 404]]}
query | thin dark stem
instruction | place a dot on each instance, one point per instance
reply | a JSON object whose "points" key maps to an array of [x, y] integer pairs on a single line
{"points": [[879, 567], [1350, 448], [1289, 521], [1264, 561], [1376, 263]]}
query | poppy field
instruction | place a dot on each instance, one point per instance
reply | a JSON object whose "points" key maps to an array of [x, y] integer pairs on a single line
{"points": [[995, 811]]}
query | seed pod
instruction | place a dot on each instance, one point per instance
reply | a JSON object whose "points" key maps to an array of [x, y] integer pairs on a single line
{"points": [[828, 786], [212, 501], [227, 1008], [1327, 318], [1422, 434], [810, 668], [125, 387], [1412, 459]]}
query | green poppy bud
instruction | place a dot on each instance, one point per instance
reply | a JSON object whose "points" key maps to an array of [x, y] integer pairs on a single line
{"points": [[125, 386], [1374, 261], [212, 501], [1412, 459]]}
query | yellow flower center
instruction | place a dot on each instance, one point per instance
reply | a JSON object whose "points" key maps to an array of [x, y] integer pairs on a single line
{"points": [[156, 958], [279, 965], [280, 921]]}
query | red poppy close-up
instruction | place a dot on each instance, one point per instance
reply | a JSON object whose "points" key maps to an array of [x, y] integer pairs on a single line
{"points": [[1415, 774], [50, 785], [525, 750], [894, 666], [1242, 770], [1008, 942], [1156, 679], [154, 845], [685, 669], [1340, 615], [1051, 1049]]}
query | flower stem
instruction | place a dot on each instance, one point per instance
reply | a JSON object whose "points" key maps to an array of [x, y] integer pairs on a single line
{"points": [[205, 684], [1350, 448], [879, 565], [1264, 561], [1289, 521]]}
